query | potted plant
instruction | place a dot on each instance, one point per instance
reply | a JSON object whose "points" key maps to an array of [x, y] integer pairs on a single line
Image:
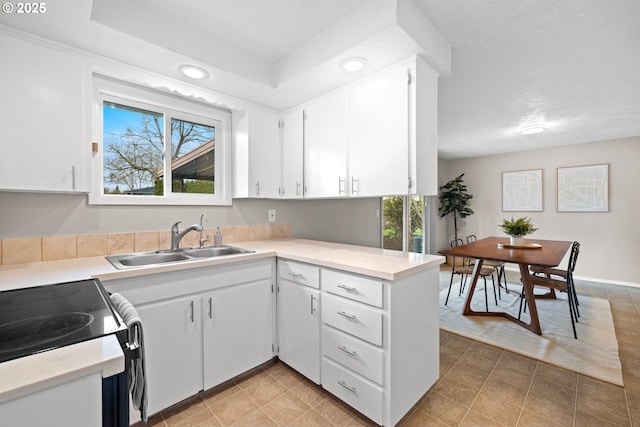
{"points": [[516, 229], [455, 200]]}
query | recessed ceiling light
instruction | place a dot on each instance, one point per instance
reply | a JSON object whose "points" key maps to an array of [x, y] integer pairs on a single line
{"points": [[353, 64], [531, 129], [193, 72]]}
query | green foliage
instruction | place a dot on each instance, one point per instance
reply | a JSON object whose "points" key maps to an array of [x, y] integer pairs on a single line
{"points": [[517, 227], [455, 200], [393, 211]]}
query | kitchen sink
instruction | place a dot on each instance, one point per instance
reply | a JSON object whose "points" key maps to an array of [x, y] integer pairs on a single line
{"points": [[136, 260], [145, 259], [214, 251]]}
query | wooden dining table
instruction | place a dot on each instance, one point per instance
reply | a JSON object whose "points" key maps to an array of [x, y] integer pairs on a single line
{"points": [[543, 253]]}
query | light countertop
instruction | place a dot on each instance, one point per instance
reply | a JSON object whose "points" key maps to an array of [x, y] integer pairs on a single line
{"points": [[28, 374]]}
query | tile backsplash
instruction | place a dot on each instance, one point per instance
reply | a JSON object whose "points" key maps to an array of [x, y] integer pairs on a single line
{"points": [[52, 248]]}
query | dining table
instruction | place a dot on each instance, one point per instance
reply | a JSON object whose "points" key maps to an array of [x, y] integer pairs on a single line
{"points": [[534, 252]]}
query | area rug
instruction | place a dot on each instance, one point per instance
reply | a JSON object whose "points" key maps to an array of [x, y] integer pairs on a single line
{"points": [[594, 353]]}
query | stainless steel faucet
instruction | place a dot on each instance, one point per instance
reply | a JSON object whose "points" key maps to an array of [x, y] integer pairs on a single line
{"points": [[177, 235], [202, 237]]}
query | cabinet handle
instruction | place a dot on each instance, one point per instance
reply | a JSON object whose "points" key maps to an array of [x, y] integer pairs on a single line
{"points": [[257, 188], [297, 188], [348, 289], [210, 308], [351, 317], [351, 353], [192, 313], [294, 274], [73, 177], [340, 185], [348, 387], [312, 309], [354, 185]]}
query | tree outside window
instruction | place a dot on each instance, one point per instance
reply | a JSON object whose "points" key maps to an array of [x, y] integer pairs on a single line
{"points": [[397, 210], [134, 141]]}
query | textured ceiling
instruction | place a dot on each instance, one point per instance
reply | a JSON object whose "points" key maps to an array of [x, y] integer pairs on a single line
{"points": [[572, 64]]}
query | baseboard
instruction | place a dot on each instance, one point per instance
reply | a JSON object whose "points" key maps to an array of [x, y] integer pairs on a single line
{"points": [[592, 279]]}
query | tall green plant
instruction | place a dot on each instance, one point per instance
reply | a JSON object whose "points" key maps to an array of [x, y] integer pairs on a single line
{"points": [[455, 200]]}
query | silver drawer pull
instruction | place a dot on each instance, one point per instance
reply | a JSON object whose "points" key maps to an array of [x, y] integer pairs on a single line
{"points": [[348, 289], [351, 353], [347, 316], [348, 387], [294, 274]]}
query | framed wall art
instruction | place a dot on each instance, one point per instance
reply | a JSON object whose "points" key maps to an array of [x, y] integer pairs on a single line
{"points": [[583, 188], [522, 191]]}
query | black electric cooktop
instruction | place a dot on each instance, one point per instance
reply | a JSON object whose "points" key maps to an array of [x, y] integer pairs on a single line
{"points": [[42, 318]]}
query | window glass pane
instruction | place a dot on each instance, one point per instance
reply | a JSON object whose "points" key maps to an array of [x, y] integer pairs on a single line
{"points": [[133, 145], [395, 217], [192, 157], [392, 228], [416, 221]]}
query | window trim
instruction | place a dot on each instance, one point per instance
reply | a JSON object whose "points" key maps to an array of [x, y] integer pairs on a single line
{"points": [[181, 108]]}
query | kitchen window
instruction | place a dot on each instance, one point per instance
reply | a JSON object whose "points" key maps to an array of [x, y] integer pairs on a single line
{"points": [[155, 148]]}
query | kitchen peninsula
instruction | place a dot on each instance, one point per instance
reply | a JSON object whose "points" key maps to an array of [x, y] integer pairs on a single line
{"points": [[375, 313]]}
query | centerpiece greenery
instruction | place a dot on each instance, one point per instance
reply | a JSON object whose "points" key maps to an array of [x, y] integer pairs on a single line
{"points": [[517, 228]]}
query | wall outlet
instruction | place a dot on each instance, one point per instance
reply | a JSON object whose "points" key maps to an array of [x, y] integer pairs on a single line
{"points": [[272, 215]]}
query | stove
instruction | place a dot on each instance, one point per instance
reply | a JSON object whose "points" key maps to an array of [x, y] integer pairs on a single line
{"points": [[42, 318]]}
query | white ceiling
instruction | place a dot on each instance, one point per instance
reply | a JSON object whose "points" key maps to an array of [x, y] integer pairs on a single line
{"points": [[572, 64]]}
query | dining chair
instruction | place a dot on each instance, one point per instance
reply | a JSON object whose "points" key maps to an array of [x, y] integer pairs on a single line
{"points": [[565, 274], [497, 265], [465, 270], [561, 280]]}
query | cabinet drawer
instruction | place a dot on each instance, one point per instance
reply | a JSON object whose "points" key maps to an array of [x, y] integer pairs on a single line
{"points": [[353, 353], [363, 289], [362, 395], [305, 274], [353, 318]]}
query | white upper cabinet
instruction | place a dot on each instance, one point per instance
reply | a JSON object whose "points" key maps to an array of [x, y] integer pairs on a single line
{"points": [[256, 154], [325, 146], [44, 139], [379, 134], [377, 137], [292, 132], [423, 129]]}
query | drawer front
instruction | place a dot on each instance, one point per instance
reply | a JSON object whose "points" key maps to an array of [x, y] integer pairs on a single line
{"points": [[363, 289], [304, 274], [353, 353], [353, 390], [353, 318]]}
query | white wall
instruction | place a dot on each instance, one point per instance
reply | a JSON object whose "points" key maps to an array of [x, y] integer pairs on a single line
{"points": [[609, 241]]}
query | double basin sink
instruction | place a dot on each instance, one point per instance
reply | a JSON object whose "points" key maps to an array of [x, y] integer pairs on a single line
{"points": [[145, 259]]}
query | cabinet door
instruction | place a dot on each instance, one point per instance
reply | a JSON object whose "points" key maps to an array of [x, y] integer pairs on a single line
{"points": [[325, 146], [173, 350], [379, 135], [299, 328], [264, 147], [292, 154], [44, 118], [237, 330]]}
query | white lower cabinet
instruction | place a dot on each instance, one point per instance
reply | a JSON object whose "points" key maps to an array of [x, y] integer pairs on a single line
{"points": [[202, 326], [299, 317], [173, 349], [76, 403], [353, 389], [237, 330]]}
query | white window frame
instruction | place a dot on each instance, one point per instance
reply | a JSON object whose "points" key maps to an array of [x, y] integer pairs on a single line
{"points": [[177, 107]]}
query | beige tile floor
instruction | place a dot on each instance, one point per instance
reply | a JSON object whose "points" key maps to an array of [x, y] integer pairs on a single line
{"points": [[479, 385]]}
